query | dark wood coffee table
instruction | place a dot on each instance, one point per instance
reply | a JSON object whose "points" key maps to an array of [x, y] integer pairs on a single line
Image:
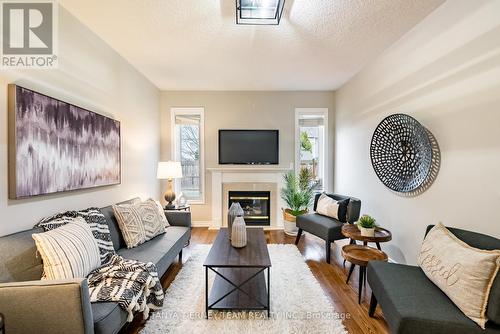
{"points": [[240, 280]]}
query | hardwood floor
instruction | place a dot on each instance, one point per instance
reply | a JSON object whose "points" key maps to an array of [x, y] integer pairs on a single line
{"points": [[332, 277]]}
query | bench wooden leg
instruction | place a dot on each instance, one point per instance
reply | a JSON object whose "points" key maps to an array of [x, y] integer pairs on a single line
{"points": [[297, 239], [180, 256], [328, 246], [373, 306]]}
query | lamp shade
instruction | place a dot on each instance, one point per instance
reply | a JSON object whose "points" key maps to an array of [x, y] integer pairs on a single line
{"points": [[169, 170]]}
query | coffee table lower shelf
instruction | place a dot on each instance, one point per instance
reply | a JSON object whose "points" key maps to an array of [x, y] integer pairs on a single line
{"points": [[238, 289]]}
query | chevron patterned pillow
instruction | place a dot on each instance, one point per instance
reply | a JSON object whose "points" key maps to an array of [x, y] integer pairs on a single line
{"points": [[140, 222]]}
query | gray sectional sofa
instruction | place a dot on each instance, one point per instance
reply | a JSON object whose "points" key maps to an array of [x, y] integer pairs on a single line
{"points": [[412, 304], [30, 305]]}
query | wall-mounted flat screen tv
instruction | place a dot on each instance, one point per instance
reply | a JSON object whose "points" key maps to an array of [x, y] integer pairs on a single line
{"points": [[249, 147]]}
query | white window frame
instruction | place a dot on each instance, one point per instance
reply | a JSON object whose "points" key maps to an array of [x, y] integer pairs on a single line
{"points": [[312, 111], [175, 146]]}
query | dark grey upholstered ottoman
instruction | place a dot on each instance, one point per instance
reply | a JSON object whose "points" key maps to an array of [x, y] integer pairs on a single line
{"points": [[20, 285], [327, 228], [412, 304]]}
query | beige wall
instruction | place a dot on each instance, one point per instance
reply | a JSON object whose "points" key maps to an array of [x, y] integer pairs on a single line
{"points": [[445, 73], [242, 110], [93, 76]]}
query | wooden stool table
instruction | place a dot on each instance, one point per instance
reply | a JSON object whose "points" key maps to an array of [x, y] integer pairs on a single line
{"points": [[359, 255]]}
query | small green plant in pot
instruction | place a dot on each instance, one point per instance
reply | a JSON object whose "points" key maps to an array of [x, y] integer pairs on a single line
{"points": [[367, 225], [298, 194]]}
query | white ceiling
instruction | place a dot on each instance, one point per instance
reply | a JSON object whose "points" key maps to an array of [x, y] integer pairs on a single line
{"points": [[196, 45]]}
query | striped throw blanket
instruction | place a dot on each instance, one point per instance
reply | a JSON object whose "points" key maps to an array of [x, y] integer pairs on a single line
{"points": [[134, 285]]}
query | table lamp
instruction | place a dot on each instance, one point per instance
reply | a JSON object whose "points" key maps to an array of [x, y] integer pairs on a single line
{"points": [[169, 170]]}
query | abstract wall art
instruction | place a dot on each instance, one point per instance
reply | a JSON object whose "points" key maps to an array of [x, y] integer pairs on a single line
{"points": [[55, 146]]}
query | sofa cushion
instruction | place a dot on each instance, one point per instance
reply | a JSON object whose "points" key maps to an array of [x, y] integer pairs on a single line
{"points": [[464, 273], [140, 222], [70, 251], [493, 309], [114, 229], [109, 317], [353, 208], [18, 260], [324, 227], [329, 207], [413, 304], [160, 250], [487, 242]]}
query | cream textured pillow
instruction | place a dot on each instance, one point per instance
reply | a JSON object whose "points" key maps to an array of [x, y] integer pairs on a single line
{"points": [[69, 251], [464, 273], [140, 222], [327, 206]]}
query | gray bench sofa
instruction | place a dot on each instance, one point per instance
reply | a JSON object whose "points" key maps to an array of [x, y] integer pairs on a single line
{"points": [[328, 228], [412, 304], [30, 305]]}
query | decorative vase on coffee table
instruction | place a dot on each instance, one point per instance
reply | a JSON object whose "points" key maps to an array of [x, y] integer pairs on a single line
{"points": [[239, 233], [234, 211]]}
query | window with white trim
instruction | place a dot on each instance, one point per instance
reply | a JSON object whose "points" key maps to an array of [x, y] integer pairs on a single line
{"points": [[188, 148], [311, 133]]}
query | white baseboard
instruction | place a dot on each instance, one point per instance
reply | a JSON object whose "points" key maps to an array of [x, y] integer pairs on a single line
{"points": [[213, 228], [201, 223], [266, 228]]}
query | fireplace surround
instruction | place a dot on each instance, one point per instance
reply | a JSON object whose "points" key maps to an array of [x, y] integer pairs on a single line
{"points": [[256, 206], [245, 178]]}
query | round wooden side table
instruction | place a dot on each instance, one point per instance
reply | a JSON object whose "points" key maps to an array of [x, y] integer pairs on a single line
{"points": [[352, 232], [359, 255]]}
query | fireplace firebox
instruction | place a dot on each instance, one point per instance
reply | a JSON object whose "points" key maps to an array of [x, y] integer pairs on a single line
{"points": [[256, 206]]}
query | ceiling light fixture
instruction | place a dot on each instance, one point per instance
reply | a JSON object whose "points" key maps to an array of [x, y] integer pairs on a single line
{"points": [[259, 12]]}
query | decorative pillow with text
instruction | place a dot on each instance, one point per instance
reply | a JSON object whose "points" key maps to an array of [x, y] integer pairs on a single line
{"points": [[464, 273]]}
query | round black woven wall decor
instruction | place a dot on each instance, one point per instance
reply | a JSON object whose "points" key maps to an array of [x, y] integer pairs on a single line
{"points": [[401, 153]]}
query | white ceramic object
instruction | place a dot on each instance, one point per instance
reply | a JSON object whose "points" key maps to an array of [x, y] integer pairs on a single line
{"points": [[234, 211], [367, 232], [290, 228], [239, 233]]}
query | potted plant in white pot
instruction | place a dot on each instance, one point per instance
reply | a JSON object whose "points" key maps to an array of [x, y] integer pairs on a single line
{"points": [[367, 225], [298, 194]]}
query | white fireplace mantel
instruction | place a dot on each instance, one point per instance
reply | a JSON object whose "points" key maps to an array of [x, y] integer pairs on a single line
{"points": [[249, 168], [254, 176]]}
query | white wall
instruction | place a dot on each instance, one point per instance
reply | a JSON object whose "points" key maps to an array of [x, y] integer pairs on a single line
{"points": [[445, 73], [243, 110], [93, 76]]}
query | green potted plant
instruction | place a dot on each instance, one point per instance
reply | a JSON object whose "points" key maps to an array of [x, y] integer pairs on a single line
{"points": [[367, 225], [298, 194]]}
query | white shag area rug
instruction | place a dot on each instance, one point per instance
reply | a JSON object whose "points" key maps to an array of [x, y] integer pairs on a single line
{"points": [[298, 303]]}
